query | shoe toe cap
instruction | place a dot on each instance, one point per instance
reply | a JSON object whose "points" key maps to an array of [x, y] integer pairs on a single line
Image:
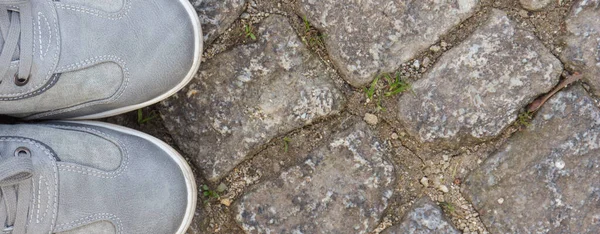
{"points": [[170, 52], [162, 187]]}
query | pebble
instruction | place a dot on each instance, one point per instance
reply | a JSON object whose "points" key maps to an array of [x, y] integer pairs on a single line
{"points": [[435, 48], [444, 189], [500, 201], [436, 181], [426, 61], [416, 64], [226, 202], [371, 119], [524, 13], [560, 164], [395, 136], [444, 44], [425, 182]]}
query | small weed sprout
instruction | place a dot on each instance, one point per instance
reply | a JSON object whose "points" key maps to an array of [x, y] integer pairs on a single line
{"points": [[448, 207], [524, 119], [142, 120], [212, 194], [286, 142], [379, 106], [370, 91], [395, 86], [307, 26], [208, 193], [312, 37], [249, 32]]}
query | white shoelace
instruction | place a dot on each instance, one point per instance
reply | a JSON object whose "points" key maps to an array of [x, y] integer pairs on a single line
{"points": [[15, 184], [16, 30]]}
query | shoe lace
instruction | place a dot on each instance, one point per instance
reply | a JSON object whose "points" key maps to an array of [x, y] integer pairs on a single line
{"points": [[16, 30], [15, 184]]}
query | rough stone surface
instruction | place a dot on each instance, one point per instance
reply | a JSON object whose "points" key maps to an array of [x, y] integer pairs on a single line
{"points": [[545, 179], [425, 217], [535, 5], [217, 15], [342, 187], [476, 89], [583, 42], [371, 36], [245, 97]]}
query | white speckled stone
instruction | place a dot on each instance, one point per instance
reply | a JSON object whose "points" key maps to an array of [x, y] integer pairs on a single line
{"points": [[342, 187], [545, 179], [424, 217], [370, 36], [244, 97], [476, 89], [583, 42], [217, 15]]}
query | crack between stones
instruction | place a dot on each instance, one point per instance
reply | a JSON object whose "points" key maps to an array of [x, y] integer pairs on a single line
{"points": [[482, 8]]}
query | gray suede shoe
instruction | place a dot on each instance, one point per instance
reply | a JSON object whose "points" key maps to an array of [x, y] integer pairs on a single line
{"points": [[91, 177], [88, 59]]}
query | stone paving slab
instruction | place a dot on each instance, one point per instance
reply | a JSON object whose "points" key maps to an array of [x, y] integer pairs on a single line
{"points": [[217, 15], [424, 217], [244, 97], [477, 88], [366, 37], [545, 179], [343, 186], [583, 42]]}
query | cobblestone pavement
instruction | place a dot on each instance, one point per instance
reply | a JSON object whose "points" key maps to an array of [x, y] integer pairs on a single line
{"points": [[378, 116]]}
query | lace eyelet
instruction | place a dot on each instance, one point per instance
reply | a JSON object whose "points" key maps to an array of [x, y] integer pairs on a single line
{"points": [[21, 81], [22, 152]]}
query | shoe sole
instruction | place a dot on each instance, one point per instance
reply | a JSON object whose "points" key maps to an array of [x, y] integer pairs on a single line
{"points": [[195, 65], [190, 182]]}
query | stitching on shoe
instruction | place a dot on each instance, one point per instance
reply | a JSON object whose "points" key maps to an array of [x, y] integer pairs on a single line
{"points": [[39, 195], [39, 26], [115, 97], [49, 75], [49, 85], [54, 170], [39, 202], [93, 60], [93, 172], [111, 16], [89, 219], [32, 202]]}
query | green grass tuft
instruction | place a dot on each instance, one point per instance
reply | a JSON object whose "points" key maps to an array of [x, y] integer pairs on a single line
{"points": [[395, 86], [286, 142], [249, 32], [209, 193], [524, 119], [312, 36], [448, 207], [142, 120]]}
